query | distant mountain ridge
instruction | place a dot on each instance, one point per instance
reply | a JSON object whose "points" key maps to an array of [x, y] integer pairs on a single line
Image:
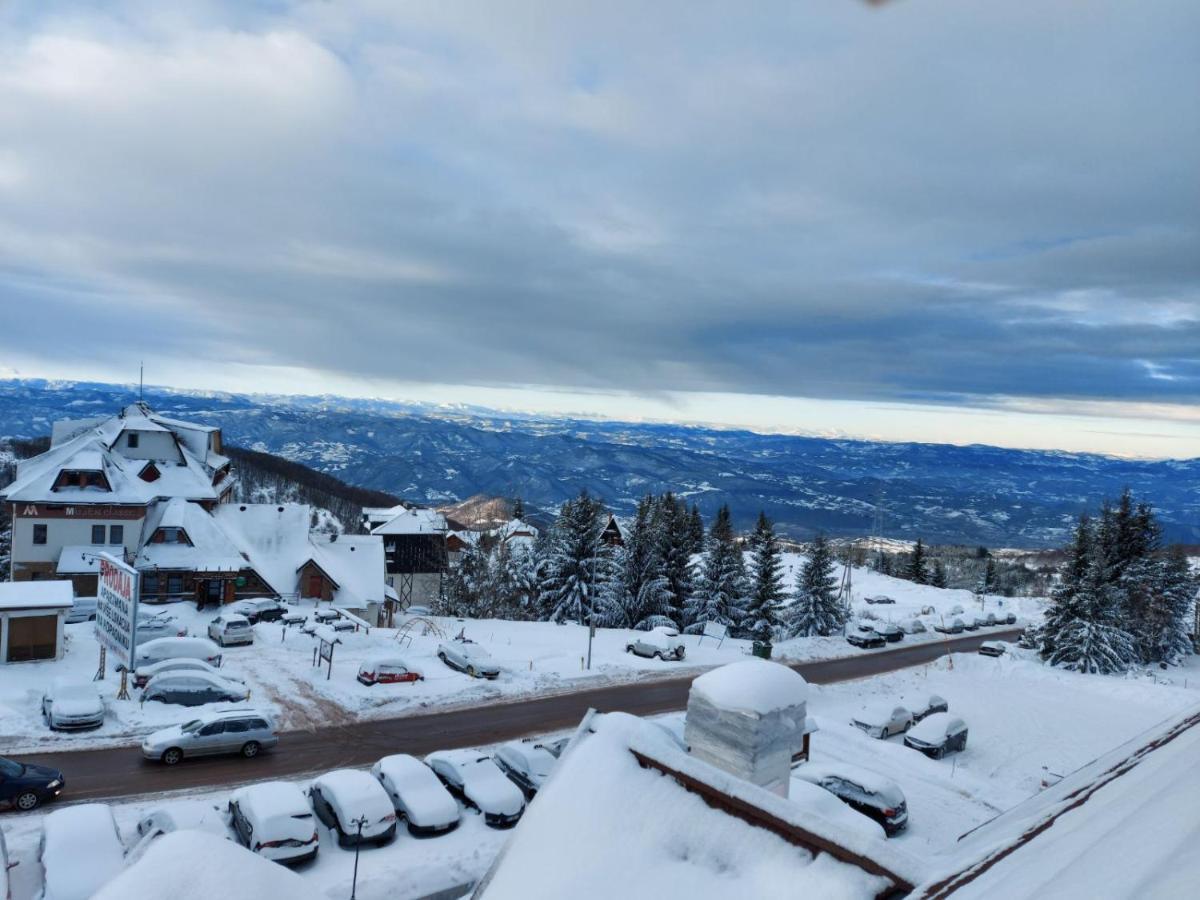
{"points": [[441, 455]]}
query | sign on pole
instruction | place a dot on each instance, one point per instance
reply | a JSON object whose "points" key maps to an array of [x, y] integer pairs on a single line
{"points": [[716, 631], [117, 609]]}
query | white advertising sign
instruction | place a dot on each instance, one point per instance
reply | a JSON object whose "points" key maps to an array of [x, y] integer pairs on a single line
{"points": [[117, 608]]}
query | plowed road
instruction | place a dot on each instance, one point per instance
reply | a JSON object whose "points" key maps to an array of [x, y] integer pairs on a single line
{"points": [[122, 772]]}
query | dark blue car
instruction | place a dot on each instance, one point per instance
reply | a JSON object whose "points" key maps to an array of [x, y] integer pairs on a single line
{"points": [[24, 786]]}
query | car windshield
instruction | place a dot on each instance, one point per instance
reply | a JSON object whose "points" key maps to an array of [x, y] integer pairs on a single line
{"points": [[10, 769], [192, 725]]}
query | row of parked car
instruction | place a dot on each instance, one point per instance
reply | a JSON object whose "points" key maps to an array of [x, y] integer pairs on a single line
{"points": [[872, 633], [927, 725]]}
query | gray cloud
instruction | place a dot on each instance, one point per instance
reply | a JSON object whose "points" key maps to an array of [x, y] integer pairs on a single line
{"points": [[926, 201]]}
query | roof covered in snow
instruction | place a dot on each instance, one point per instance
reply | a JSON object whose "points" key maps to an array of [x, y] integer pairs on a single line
{"points": [[755, 686], [414, 521], [79, 559], [36, 594], [273, 537], [355, 562], [211, 550]]}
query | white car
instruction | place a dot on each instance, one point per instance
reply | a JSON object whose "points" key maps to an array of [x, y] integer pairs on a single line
{"points": [[346, 799], [925, 705], [820, 801], [662, 643], [143, 674], [156, 625], [176, 648], [479, 782], [528, 765], [69, 705], [937, 735], [80, 852], [181, 814], [83, 609], [273, 819], [231, 628], [913, 626], [882, 720], [469, 657], [417, 794]]}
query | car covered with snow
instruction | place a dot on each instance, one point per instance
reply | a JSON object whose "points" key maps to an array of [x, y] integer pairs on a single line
{"points": [[913, 626], [417, 794], [273, 819], [937, 735], [993, 648], [180, 814], [355, 806], [882, 720], [246, 732], [865, 637], [230, 628], [72, 705], [478, 781], [662, 643], [188, 688], [817, 800], [954, 626], [880, 599], [923, 705], [80, 851], [889, 632], [160, 649], [875, 796], [143, 674], [467, 656], [261, 609], [83, 609], [527, 764], [388, 669]]}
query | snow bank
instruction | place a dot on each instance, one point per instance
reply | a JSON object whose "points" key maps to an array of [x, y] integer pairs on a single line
{"points": [[752, 685]]}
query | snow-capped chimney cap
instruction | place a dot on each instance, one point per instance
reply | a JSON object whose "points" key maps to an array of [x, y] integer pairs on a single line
{"points": [[755, 686]]}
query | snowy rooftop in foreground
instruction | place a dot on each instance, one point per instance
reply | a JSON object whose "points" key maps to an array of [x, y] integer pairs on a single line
{"points": [[752, 685], [36, 594]]}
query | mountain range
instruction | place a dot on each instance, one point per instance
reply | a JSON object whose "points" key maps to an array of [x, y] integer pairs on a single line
{"points": [[438, 455]]}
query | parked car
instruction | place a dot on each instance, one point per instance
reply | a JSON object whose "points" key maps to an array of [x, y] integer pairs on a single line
{"points": [[873, 795], [954, 626], [990, 619], [231, 628], [937, 735], [889, 632], [24, 786], [926, 705], [417, 610], [971, 623], [177, 648], [956, 609], [259, 610], [865, 639], [556, 746], [417, 794], [143, 674], [882, 720], [913, 626], [993, 648], [469, 657], [83, 609], [477, 779], [527, 765], [345, 797], [181, 814], [273, 819], [662, 643], [244, 731], [80, 851], [388, 670], [193, 689], [70, 705], [151, 626], [1010, 619], [820, 801], [880, 599]]}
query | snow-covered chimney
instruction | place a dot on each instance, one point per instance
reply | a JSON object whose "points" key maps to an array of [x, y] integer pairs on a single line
{"points": [[747, 718]]}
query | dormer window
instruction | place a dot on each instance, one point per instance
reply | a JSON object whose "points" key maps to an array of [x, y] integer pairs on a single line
{"points": [[150, 473], [133, 440], [171, 536], [76, 478]]}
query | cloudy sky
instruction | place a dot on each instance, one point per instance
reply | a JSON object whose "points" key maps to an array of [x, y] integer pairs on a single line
{"points": [[929, 220]]}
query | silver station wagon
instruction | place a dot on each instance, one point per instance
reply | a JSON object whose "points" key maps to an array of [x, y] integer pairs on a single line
{"points": [[244, 731]]}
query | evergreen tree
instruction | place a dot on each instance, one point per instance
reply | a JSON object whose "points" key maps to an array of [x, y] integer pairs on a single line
{"points": [[1063, 607], [988, 582], [815, 609], [696, 529], [466, 591], [513, 581], [765, 603], [917, 571], [576, 569], [938, 578], [721, 595], [672, 524], [518, 509], [1092, 639]]}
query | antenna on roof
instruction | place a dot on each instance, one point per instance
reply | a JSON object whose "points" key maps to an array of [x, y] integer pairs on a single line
{"points": [[141, 378]]}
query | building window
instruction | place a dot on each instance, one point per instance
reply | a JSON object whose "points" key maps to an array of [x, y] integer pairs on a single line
{"points": [[149, 584], [174, 584], [116, 534], [97, 534], [133, 440], [170, 535], [39, 534]]}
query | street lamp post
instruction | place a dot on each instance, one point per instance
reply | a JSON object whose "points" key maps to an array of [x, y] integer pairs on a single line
{"points": [[360, 822]]}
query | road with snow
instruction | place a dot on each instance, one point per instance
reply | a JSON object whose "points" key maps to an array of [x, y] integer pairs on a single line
{"points": [[114, 773]]}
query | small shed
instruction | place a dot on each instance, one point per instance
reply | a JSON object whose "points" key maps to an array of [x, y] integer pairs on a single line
{"points": [[32, 614]]}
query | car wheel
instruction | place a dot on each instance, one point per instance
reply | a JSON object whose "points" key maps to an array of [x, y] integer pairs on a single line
{"points": [[471, 671], [442, 657], [629, 648], [250, 749], [27, 801], [659, 656], [172, 756]]}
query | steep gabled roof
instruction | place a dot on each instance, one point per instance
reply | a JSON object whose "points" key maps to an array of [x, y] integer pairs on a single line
{"points": [[355, 563], [414, 521]]}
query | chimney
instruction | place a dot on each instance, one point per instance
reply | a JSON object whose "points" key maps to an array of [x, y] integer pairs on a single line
{"points": [[747, 718]]}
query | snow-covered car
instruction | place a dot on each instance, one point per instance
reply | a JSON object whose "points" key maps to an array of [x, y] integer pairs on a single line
{"points": [[971, 623], [355, 806], [477, 779], [193, 689], [990, 620], [194, 815], [867, 639], [993, 648], [1010, 619], [954, 626], [231, 628], [956, 610], [662, 643], [913, 626], [273, 819], [417, 794], [880, 599], [889, 632], [143, 674], [528, 765], [817, 800], [937, 735], [83, 609], [259, 610], [925, 705], [876, 797], [882, 720], [80, 851], [556, 746], [469, 657], [243, 731], [71, 705], [389, 669], [177, 648]]}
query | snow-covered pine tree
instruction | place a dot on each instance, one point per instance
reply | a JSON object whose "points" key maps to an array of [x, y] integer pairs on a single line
{"points": [[1063, 608], [938, 577], [673, 524], [721, 594], [916, 571], [577, 566], [815, 609], [513, 581], [1092, 639], [696, 529], [467, 592], [1160, 591], [518, 512], [765, 604]]}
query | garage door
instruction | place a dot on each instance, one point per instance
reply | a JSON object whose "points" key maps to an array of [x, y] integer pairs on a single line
{"points": [[32, 637]]}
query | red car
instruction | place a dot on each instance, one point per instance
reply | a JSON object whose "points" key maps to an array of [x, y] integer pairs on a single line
{"points": [[388, 670]]}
